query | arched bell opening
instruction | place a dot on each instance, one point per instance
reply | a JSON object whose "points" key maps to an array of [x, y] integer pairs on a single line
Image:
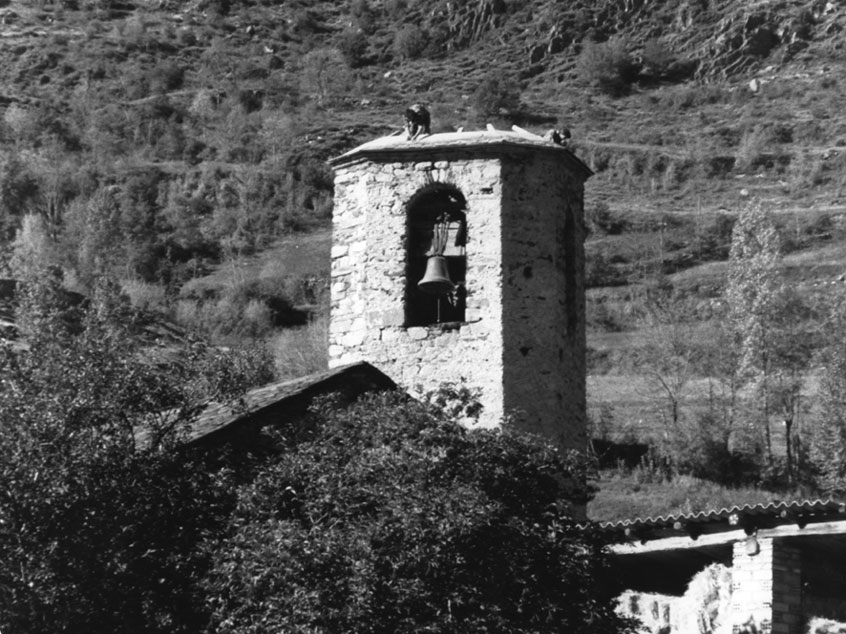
{"points": [[436, 262]]}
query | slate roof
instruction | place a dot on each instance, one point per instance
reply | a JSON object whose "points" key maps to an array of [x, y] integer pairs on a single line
{"points": [[491, 139], [278, 403], [746, 516]]}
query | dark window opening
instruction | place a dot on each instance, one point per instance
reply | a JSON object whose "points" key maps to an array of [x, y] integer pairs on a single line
{"points": [[433, 214]]}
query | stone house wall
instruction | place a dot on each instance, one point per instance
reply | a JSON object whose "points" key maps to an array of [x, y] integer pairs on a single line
{"points": [[789, 584], [767, 587], [522, 340]]}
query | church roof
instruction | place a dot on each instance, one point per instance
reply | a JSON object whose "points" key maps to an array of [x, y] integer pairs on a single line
{"points": [[277, 403], [490, 140]]}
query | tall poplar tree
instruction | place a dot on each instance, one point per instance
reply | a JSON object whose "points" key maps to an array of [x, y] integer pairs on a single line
{"points": [[828, 437], [827, 446], [754, 293]]}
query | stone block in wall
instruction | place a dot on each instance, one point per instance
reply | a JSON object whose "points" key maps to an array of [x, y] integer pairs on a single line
{"points": [[389, 334], [766, 592], [353, 339], [418, 333]]}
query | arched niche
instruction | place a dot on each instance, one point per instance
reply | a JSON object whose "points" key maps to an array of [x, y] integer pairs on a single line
{"points": [[437, 207]]}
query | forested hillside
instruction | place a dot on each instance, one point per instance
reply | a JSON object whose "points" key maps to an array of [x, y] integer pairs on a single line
{"points": [[180, 147]]}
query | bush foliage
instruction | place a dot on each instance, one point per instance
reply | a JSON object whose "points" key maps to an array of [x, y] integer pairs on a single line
{"points": [[608, 66], [99, 530], [384, 517], [496, 95], [410, 42], [390, 518]]}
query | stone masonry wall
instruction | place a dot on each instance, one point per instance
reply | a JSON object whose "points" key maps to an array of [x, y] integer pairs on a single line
{"points": [[543, 298], [368, 278], [522, 341], [767, 588]]}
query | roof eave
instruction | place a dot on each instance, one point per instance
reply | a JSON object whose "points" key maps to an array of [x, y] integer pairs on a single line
{"points": [[748, 518], [497, 148]]}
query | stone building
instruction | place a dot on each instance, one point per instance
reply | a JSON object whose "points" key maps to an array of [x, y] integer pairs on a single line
{"points": [[504, 212], [784, 561]]}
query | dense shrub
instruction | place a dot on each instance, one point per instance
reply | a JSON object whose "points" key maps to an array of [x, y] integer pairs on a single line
{"points": [[166, 76], [390, 518], [608, 66], [496, 95], [304, 21], [244, 309], [657, 58], [186, 37], [367, 519], [353, 46], [100, 526], [703, 451], [250, 100], [601, 219], [752, 150], [365, 16], [410, 42], [396, 8], [712, 242]]}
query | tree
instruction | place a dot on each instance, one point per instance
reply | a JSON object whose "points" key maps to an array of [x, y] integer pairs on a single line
{"points": [[795, 339], [775, 328], [828, 437], [98, 533], [324, 74], [93, 228], [389, 517], [54, 172], [685, 353], [32, 249], [18, 190], [754, 293], [669, 359]]}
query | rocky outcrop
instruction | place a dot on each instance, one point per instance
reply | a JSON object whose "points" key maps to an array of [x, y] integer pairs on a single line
{"points": [[721, 37]]}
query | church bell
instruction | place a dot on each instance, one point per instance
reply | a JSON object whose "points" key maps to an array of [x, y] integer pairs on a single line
{"points": [[436, 279]]}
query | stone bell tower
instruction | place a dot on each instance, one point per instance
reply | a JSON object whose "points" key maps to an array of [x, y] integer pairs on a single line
{"points": [[505, 307]]}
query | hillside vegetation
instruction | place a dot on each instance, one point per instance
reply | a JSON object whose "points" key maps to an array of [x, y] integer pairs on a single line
{"points": [[180, 148]]}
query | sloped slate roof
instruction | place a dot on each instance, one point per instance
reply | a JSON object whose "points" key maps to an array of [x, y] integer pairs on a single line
{"points": [[399, 144], [727, 519], [277, 403]]}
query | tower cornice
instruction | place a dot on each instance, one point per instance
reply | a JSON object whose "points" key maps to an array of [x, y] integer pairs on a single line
{"points": [[452, 145]]}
